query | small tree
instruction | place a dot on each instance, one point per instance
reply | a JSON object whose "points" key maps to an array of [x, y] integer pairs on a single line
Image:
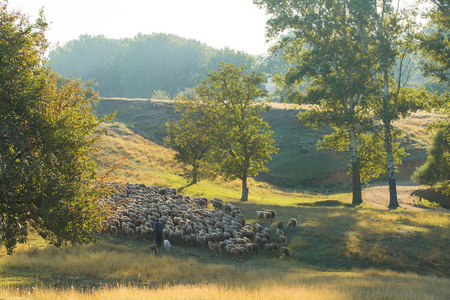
{"points": [[47, 137], [434, 44], [242, 139], [223, 127], [436, 171]]}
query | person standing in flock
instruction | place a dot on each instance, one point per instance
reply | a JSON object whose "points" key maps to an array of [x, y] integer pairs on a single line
{"points": [[158, 231]]}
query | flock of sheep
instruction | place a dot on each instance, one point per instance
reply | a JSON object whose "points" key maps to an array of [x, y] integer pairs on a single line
{"points": [[189, 222]]}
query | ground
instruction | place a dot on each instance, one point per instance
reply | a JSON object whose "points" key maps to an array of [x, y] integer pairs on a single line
{"points": [[377, 195]]}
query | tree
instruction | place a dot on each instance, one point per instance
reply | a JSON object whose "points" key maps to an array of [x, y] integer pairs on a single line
{"points": [[434, 42], [323, 46], [351, 49], [436, 170], [47, 136], [224, 125], [243, 140], [386, 33]]}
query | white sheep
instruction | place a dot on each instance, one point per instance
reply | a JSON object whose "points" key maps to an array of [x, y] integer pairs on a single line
{"points": [[167, 245]]}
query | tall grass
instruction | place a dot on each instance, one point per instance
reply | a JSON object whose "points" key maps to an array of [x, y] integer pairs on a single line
{"points": [[352, 285]]}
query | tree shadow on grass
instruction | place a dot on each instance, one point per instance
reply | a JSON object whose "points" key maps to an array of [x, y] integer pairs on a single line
{"points": [[186, 186], [325, 203]]}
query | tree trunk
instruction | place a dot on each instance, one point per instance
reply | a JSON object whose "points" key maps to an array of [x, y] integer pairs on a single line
{"points": [[356, 178], [244, 197], [194, 174], [393, 201]]}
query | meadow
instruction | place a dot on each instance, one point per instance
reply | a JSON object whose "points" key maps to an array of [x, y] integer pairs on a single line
{"points": [[337, 251]]}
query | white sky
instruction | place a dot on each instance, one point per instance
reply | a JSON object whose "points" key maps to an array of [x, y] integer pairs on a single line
{"points": [[237, 24]]}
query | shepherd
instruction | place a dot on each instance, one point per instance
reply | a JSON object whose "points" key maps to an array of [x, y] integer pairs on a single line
{"points": [[158, 231]]}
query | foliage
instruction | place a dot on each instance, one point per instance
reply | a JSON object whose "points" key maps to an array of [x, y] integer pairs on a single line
{"points": [[321, 47], [224, 125], [160, 95], [434, 42], [372, 164], [140, 66], [192, 138], [436, 171], [243, 138], [351, 50], [48, 134]]}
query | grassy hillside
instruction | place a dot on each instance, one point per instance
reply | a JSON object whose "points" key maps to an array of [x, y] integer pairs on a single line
{"points": [[337, 251], [298, 163]]}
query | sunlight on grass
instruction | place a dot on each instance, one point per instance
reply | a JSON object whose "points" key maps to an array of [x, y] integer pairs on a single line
{"points": [[149, 163]]}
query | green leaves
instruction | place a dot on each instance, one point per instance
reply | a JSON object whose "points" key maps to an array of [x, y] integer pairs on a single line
{"points": [[47, 136], [225, 121]]}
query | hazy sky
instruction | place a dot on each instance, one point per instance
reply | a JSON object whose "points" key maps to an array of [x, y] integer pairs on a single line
{"points": [[237, 24]]}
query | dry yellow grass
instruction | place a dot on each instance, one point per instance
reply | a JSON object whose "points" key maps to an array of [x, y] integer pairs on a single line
{"points": [[306, 285], [143, 160]]}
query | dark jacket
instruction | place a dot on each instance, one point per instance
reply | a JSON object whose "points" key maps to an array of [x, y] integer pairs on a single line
{"points": [[158, 229]]}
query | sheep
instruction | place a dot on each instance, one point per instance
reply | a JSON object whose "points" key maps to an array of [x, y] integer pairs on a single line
{"points": [[167, 245], [237, 252], [148, 234], [129, 232], [285, 251], [268, 247], [214, 248], [275, 247], [113, 230], [292, 223], [272, 215], [191, 224], [255, 248], [282, 239], [260, 214], [201, 240], [216, 203], [279, 232], [280, 225], [258, 227]]}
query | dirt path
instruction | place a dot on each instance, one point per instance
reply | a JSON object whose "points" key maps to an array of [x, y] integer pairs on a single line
{"points": [[377, 195]]}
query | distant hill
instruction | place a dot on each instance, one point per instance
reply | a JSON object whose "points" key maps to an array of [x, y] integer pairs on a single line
{"points": [[298, 163]]}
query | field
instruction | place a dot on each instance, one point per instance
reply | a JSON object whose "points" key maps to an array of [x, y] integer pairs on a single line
{"points": [[337, 251]]}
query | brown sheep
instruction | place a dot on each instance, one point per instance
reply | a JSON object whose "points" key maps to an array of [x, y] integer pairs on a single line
{"points": [[285, 251], [237, 252], [275, 247], [269, 248], [282, 239], [280, 225], [255, 248], [292, 223], [214, 248]]}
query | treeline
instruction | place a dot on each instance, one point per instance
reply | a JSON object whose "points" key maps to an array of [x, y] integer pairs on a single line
{"points": [[140, 66], [166, 64]]}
